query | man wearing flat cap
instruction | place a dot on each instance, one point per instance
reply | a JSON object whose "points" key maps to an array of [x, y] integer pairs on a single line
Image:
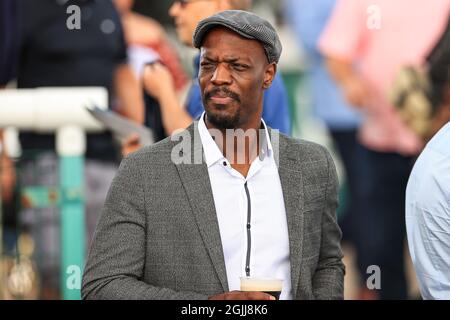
{"points": [[158, 83], [226, 198]]}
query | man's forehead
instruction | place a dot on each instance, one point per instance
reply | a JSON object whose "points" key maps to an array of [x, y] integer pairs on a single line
{"points": [[214, 55], [223, 41]]}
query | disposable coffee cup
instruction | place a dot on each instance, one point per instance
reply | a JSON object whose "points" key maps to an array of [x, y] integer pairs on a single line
{"points": [[267, 285]]}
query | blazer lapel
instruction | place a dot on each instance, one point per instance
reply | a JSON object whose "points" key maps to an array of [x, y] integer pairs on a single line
{"points": [[292, 185], [195, 179]]}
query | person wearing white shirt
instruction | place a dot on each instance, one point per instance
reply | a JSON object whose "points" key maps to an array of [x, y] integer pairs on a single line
{"points": [[254, 203], [258, 198], [428, 217]]}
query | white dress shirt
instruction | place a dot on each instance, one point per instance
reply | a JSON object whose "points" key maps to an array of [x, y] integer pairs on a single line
{"points": [[269, 239], [428, 217]]}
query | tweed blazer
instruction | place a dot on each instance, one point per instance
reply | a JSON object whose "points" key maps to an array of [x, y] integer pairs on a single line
{"points": [[158, 234]]}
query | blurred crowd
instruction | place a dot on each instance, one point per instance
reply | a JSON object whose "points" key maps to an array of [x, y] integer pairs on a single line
{"points": [[375, 73]]}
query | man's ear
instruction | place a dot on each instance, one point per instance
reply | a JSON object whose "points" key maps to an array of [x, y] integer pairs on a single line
{"points": [[269, 75]]}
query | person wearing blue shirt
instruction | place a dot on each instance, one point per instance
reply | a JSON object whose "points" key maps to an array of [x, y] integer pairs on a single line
{"points": [[158, 82], [308, 20], [428, 217]]}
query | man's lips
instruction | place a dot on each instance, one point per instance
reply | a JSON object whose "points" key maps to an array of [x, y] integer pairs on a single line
{"points": [[222, 96], [221, 100]]}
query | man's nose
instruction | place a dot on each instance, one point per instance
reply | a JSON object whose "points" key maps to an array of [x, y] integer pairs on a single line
{"points": [[221, 75], [174, 8]]}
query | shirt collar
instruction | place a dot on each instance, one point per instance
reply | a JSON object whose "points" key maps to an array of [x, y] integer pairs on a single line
{"points": [[212, 151], [210, 148]]}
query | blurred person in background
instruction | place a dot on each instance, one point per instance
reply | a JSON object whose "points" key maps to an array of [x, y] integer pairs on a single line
{"points": [[158, 83], [144, 32], [8, 45], [53, 55], [308, 19], [366, 43], [7, 202], [428, 190], [428, 217], [8, 57], [438, 68], [148, 42]]}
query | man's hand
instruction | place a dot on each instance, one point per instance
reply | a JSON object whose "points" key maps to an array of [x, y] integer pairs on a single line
{"points": [[355, 92], [354, 88], [158, 81], [241, 295], [131, 144]]}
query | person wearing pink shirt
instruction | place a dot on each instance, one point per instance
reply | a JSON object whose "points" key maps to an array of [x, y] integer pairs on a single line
{"points": [[366, 43]]}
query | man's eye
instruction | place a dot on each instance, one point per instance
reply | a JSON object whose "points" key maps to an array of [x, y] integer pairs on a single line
{"points": [[239, 67], [206, 65]]}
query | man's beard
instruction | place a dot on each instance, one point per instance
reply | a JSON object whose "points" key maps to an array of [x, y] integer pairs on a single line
{"points": [[220, 121], [230, 121]]}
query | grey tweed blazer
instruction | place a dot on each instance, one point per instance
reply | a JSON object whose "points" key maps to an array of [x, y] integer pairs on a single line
{"points": [[158, 235]]}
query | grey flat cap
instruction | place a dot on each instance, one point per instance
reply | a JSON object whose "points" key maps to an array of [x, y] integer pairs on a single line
{"points": [[246, 24]]}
